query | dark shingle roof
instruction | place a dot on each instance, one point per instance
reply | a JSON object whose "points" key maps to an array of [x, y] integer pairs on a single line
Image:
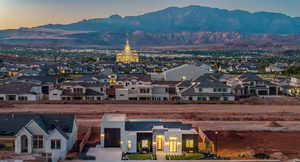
{"points": [[148, 125], [250, 77], [42, 79], [10, 124], [17, 88], [185, 83]]}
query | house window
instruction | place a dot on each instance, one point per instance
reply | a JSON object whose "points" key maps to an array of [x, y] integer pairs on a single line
{"points": [[173, 144], [55, 144], [200, 89], [129, 144], [1, 98], [225, 98], [224, 89], [37, 141], [89, 98], [144, 90], [22, 98], [215, 89], [145, 144], [189, 143], [78, 90], [201, 98]]}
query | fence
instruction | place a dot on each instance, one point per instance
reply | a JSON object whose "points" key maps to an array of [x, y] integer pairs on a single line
{"points": [[3, 103]]}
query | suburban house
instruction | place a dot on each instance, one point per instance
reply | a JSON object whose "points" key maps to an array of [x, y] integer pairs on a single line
{"points": [[78, 91], [133, 87], [184, 72], [209, 87], [164, 90], [136, 136], [294, 86], [49, 136], [277, 67], [140, 87], [253, 85], [20, 91], [47, 82]]}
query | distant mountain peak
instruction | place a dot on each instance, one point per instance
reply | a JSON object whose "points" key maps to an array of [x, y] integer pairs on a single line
{"points": [[115, 17], [192, 19]]}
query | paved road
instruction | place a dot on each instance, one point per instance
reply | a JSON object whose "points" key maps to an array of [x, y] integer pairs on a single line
{"points": [[105, 153], [160, 156]]}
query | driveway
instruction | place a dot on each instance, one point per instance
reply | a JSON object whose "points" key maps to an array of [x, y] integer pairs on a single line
{"points": [[105, 153]]}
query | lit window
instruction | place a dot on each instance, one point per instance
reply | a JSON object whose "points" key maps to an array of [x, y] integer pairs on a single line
{"points": [[144, 143], [173, 144], [129, 144], [189, 143]]}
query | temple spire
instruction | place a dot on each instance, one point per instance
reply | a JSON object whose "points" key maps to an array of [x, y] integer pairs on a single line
{"points": [[127, 56]]}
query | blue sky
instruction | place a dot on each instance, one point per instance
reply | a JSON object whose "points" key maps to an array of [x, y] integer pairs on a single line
{"points": [[27, 13]]}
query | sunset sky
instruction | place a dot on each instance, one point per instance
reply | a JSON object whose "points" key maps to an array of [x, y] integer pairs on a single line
{"points": [[28, 13]]}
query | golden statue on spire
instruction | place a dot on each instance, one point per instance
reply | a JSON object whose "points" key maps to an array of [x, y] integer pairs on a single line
{"points": [[127, 56]]}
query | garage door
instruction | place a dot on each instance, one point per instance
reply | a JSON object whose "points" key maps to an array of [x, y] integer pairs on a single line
{"points": [[112, 137]]}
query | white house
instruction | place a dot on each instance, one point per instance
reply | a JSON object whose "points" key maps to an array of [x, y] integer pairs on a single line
{"points": [[78, 91], [137, 88], [50, 136], [209, 87], [20, 91], [147, 135]]}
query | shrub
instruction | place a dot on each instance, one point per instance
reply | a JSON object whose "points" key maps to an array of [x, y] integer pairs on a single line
{"points": [[261, 156], [139, 157], [192, 156]]}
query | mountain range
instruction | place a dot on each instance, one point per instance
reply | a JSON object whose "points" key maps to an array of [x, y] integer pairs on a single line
{"points": [[192, 25]]}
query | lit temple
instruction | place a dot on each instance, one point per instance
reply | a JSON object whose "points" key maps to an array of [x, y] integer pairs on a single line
{"points": [[127, 56]]}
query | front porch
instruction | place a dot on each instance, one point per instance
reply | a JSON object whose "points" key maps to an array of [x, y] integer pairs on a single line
{"points": [[167, 143]]}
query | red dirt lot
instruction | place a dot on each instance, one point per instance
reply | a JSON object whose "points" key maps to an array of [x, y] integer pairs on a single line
{"points": [[227, 112], [280, 145]]}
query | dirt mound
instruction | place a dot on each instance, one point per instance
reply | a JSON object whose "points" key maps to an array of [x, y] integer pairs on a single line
{"points": [[232, 134], [279, 156], [272, 124]]}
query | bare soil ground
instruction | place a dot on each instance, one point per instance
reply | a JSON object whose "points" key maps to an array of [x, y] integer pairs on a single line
{"points": [[227, 112], [244, 144]]}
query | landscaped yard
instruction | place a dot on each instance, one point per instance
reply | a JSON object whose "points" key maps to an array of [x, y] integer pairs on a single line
{"points": [[139, 157], [192, 156]]}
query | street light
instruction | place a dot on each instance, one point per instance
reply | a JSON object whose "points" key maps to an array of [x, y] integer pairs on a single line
{"points": [[216, 136]]}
